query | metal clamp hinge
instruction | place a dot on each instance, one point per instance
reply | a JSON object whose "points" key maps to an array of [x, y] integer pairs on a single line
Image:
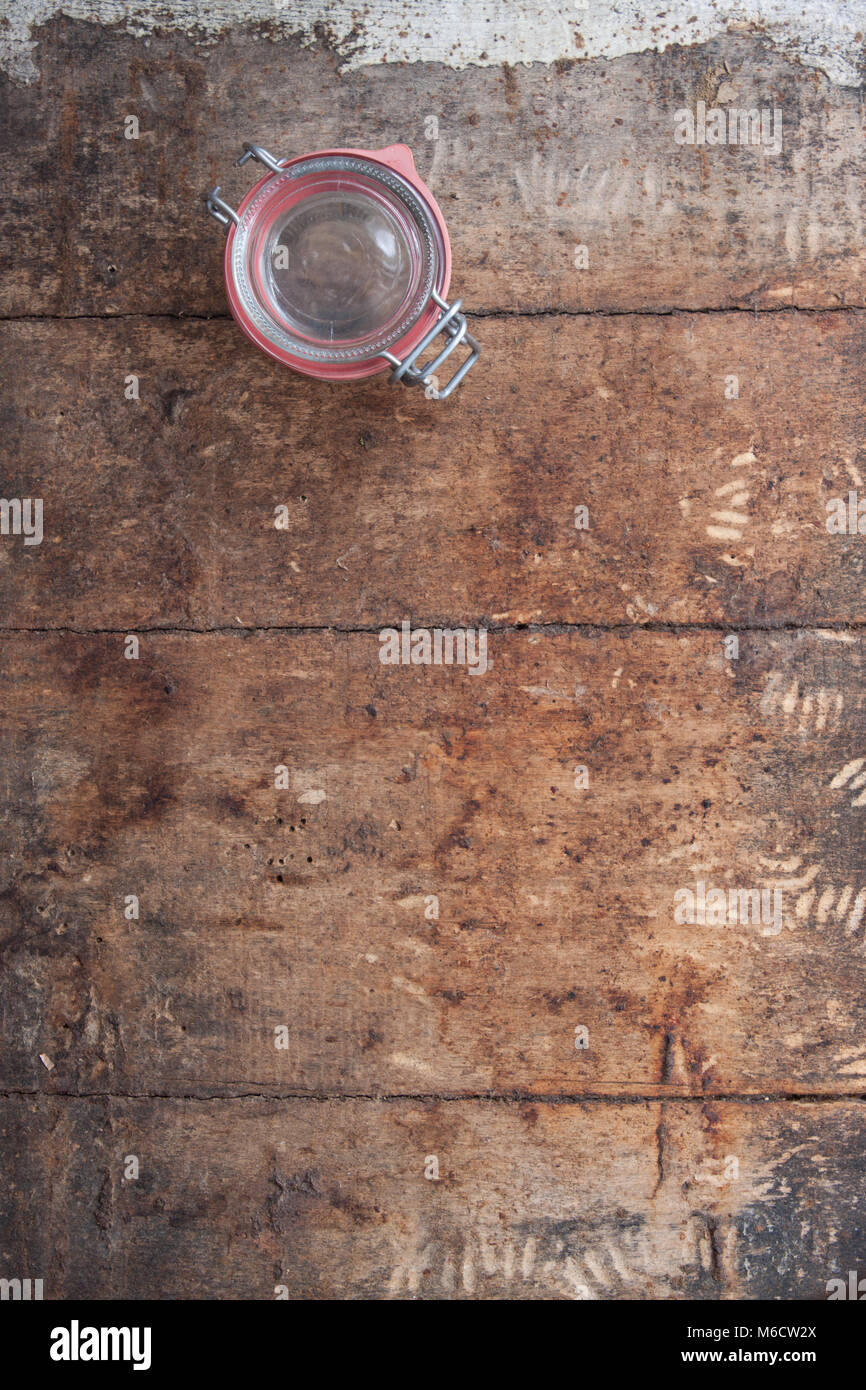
{"points": [[453, 325], [215, 204], [219, 209]]}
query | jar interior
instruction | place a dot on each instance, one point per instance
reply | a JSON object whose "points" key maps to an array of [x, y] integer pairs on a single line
{"points": [[336, 263], [339, 265]]}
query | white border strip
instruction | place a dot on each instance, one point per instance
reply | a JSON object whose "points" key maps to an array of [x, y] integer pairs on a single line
{"points": [[457, 33]]}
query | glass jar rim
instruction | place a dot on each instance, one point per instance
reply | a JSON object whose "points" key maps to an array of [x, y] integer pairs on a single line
{"points": [[272, 193]]}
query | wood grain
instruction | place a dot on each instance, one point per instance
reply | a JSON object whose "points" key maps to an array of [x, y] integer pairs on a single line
{"points": [[306, 907], [161, 511], [529, 163], [235, 1200], [434, 913]]}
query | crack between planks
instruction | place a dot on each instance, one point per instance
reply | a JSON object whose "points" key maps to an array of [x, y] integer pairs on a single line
{"points": [[551, 629], [553, 311], [457, 1097], [666, 311]]}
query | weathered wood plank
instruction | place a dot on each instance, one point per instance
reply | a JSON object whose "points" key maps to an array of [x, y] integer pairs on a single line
{"points": [[529, 163], [329, 1200], [310, 907], [161, 510], [432, 909]]}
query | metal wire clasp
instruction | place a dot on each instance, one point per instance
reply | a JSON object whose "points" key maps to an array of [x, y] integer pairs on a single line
{"points": [[453, 324], [219, 209], [215, 204]]}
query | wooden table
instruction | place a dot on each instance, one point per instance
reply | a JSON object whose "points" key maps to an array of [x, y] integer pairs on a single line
{"points": [[417, 1017]]}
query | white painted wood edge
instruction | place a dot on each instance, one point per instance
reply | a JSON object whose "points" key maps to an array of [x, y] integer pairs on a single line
{"points": [[458, 33]]}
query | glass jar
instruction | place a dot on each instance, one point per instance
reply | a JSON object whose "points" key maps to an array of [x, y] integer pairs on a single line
{"points": [[338, 263]]}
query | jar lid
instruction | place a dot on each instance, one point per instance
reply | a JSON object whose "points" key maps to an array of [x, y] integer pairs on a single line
{"points": [[338, 263]]}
